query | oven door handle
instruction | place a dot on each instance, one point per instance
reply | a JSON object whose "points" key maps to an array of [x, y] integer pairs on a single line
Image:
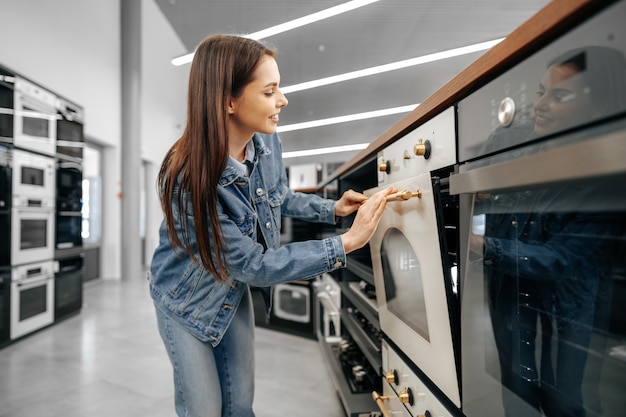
{"points": [[404, 195], [597, 157], [380, 402], [33, 282], [329, 307]]}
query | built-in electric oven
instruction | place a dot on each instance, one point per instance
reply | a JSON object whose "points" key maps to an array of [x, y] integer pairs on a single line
{"points": [[7, 95], [5, 204], [69, 138], [33, 175], [542, 187], [5, 305], [35, 117], [32, 230], [69, 201], [414, 261], [68, 286], [32, 297]]}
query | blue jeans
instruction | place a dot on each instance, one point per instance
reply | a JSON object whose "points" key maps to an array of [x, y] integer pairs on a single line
{"points": [[213, 382]]}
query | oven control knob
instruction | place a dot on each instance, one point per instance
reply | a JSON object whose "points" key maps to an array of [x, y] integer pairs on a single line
{"points": [[392, 377], [506, 111], [422, 148], [385, 166], [406, 396]]}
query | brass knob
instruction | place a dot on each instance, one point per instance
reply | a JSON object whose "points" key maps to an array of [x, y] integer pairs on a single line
{"points": [[422, 148], [406, 396], [404, 195], [392, 377], [385, 166]]}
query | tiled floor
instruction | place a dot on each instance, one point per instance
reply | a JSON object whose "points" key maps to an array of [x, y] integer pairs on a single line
{"points": [[108, 361]]}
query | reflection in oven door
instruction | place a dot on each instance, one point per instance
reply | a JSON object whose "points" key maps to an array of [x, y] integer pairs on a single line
{"points": [[543, 278], [32, 235], [32, 298]]}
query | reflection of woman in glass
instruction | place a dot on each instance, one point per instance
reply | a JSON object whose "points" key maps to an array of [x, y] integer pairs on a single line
{"points": [[546, 254]]}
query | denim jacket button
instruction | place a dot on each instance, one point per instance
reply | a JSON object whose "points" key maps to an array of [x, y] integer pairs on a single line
{"points": [[259, 191], [268, 225]]}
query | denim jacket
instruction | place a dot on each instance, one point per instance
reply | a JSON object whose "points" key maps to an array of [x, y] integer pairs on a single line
{"points": [[190, 295]]}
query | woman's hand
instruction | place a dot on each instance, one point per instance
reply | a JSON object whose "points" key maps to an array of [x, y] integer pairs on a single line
{"points": [[366, 220], [349, 202]]}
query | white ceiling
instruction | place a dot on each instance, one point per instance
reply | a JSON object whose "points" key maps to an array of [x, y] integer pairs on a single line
{"points": [[380, 33]]}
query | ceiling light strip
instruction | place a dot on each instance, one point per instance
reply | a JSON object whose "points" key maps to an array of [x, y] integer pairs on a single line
{"points": [[437, 56], [347, 118], [292, 24], [322, 151]]}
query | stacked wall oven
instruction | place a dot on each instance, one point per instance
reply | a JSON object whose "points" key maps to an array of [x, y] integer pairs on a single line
{"points": [[542, 188], [40, 204], [347, 323], [415, 262]]}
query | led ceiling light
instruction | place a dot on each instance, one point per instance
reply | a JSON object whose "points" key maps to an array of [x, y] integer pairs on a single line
{"points": [[347, 118], [322, 151], [437, 56], [292, 24]]}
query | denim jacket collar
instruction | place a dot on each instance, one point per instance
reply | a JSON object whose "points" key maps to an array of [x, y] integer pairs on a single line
{"points": [[231, 174]]}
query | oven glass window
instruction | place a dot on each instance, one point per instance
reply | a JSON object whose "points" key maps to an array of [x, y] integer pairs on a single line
{"points": [[33, 176], [35, 126], [404, 289], [33, 302], [33, 234], [545, 332]]}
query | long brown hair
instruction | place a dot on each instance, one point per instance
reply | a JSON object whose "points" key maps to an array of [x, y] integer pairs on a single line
{"points": [[222, 66]]}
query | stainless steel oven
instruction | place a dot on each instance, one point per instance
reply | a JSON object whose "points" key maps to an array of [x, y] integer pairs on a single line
{"points": [[33, 175], [32, 298], [68, 285], [69, 177], [70, 139], [35, 117], [414, 259], [542, 187], [6, 170], [32, 230]]}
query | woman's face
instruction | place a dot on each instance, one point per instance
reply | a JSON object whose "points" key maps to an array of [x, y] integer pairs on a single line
{"points": [[562, 100], [258, 106]]}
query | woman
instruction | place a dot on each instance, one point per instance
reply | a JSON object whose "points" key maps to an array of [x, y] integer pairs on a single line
{"points": [[223, 190]]}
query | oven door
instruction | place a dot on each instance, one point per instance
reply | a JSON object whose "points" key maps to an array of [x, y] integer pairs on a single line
{"points": [[543, 278], [412, 289], [32, 235], [68, 286], [32, 298], [7, 88], [35, 118], [70, 137], [33, 175]]}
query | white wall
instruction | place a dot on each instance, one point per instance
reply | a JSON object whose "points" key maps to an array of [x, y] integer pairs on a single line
{"points": [[164, 105], [73, 48]]}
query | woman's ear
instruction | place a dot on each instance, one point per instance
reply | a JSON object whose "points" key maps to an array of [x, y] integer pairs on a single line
{"points": [[231, 106]]}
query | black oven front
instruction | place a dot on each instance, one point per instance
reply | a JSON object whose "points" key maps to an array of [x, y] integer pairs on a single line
{"points": [[70, 127], [69, 177], [68, 286], [7, 106], [542, 188], [5, 204], [5, 306]]}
